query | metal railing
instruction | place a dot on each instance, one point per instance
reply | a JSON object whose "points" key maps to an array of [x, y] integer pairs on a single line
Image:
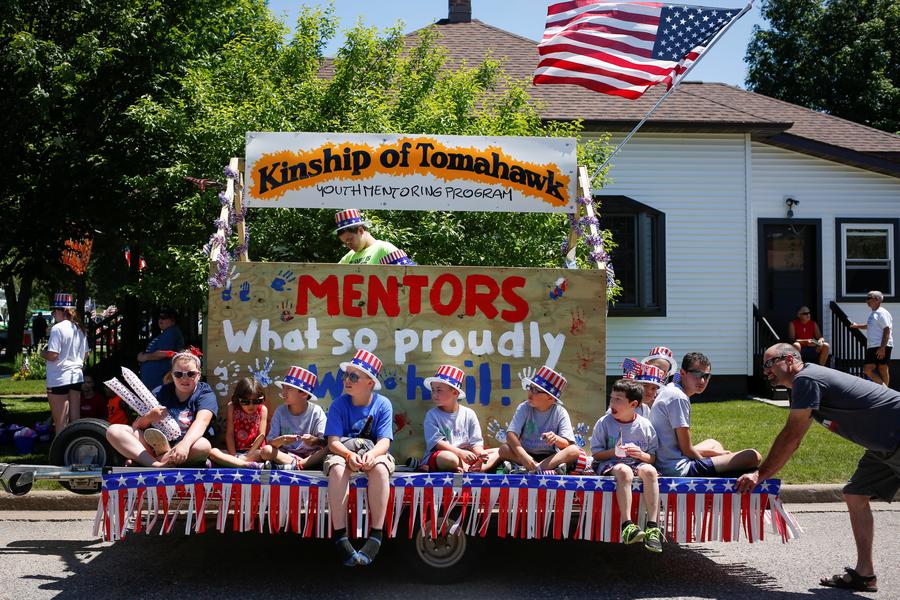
{"points": [[848, 346], [763, 337]]}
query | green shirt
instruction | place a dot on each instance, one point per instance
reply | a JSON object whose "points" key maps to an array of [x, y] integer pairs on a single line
{"points": [[368, 256]]}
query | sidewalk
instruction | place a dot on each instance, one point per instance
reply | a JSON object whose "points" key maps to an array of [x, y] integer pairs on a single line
{"points": [[62, 500]]}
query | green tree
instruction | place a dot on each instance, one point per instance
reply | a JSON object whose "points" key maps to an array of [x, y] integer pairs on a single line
{"points": [[378, 82], [837, 56]]}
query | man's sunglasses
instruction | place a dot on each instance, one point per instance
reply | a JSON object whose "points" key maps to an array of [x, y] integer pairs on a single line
{"points": [[702, 375], [768, 364], [804, 313], [353, 377], [188, 374], [249, 401]]}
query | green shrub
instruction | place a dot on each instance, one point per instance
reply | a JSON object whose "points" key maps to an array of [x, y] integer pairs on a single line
{"points": [[30, 364]]}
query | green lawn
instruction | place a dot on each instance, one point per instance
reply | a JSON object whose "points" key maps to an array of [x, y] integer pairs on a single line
{"points": [[27, 411], [27, 386], [823, 457]]}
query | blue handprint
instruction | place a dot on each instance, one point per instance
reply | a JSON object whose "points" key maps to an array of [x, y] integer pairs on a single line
{"points": [[281, 279], [245, 291], [580, 430], [226, 291], [390, 379], [261, 374], [226, 294]]}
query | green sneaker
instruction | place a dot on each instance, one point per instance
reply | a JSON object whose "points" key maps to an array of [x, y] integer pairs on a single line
{"points": [[632, 534], [653, 539]]}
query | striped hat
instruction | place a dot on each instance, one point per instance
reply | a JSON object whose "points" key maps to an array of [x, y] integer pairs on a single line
{"points": [[548, 380], [665, 354], [450, 375], [366, 362], [63, 301], [632, 369], [300, 378], [349, 217], [397, 257]]}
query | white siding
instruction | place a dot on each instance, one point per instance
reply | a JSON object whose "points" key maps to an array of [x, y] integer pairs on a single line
{"points": [[698, 181], [826, 190]]}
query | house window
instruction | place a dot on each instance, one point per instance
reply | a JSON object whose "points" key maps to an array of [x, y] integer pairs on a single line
{"points": [[639, 256], [867, 257]]}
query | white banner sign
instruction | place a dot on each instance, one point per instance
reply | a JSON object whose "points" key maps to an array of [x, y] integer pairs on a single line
{"points": [[410, 172]]}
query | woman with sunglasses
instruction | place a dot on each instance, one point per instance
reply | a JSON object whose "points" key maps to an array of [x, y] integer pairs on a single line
{"points": [[245, 426], [190, 402]]}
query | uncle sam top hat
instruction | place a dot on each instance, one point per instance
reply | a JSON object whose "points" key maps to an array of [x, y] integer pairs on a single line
{"points": [[366, 362], [397, 257], [548, 380], [665, 354], [63, 301], [450, 375], [349, 217], [642, 373], [301, 379]]}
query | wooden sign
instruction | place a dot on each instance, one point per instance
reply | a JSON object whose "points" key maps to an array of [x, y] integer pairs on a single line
{"points": [[410, 172], [497, 324]]}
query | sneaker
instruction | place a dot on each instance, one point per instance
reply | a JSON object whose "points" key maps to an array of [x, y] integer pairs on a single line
{"points": [[653, 539], [505, 467], [156, 439], [632, 534], [562, 469], [516, 470]]}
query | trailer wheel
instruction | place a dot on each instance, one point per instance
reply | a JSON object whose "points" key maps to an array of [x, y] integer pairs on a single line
{"points": [[16, 486], [83, 443], [446, 558]]}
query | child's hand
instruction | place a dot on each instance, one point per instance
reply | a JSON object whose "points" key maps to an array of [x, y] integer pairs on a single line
{"points": [[468, 456], [157, 414], [354, 462], [550, 438], [309, 439], [532, 465], [281, 440], [633, 450]]}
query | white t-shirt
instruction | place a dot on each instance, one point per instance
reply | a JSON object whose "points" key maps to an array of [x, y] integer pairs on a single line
{"points": [[878, 320], [71, 344], [460, 429]]}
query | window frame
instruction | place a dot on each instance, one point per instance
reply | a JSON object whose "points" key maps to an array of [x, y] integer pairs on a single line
{"points": [[840, 227], [617, 205]]}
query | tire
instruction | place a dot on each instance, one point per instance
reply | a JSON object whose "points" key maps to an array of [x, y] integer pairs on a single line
{"points": [[84, 443], [446, 559]]}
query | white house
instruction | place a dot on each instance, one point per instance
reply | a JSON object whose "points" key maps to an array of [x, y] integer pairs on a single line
{"points": [[699, 203]]}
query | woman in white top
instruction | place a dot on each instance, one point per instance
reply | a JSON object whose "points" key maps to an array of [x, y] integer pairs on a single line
{"points": [[65, 354]]}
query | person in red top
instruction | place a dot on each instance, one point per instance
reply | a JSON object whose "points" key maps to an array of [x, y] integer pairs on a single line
{"points": [[807, 337]]}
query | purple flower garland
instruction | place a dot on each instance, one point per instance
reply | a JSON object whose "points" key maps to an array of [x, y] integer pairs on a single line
{"points": [[220, 240], [594, 242]]}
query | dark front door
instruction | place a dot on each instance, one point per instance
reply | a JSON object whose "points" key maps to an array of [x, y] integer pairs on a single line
{"points": [[790, 270]]}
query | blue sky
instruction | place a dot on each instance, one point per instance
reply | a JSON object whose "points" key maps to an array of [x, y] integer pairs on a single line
{"points": [[724, 63]]}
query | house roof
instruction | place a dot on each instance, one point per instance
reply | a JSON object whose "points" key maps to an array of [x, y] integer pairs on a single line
{"points": [[694, 107]]}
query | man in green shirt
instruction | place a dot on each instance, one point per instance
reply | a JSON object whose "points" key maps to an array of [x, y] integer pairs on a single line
{"points": [[364, 249]]}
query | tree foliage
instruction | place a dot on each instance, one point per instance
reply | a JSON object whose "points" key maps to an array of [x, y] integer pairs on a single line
{"points": [[837, 56]]}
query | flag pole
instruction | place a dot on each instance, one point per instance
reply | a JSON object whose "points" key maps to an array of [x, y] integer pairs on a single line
{"points": [[712, 43]]}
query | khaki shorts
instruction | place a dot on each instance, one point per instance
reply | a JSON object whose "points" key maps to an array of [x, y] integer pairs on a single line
{"points": [[877, 475], [332, 460]]}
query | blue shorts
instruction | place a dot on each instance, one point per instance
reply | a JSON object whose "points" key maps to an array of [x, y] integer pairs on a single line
{"points": [[700, 467]]}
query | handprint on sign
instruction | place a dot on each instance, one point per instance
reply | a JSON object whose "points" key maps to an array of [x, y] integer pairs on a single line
{"points": [[287, 311], [232, 275], [578, 323], [402, 424], [281, 279], [527, 373], [261, 374], [586, 359], [390, 379], [245, 292], [497, 431], [225, 374], [580, 431]]}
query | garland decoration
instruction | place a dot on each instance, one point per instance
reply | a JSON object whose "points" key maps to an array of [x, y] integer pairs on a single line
{"points": [[224, 228]]}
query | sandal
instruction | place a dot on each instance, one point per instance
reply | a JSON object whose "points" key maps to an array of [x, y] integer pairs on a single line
{"points": [[855, 581]]}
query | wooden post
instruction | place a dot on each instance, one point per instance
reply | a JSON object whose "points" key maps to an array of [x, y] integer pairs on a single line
{"points": [[584, 185], [239, 207]]}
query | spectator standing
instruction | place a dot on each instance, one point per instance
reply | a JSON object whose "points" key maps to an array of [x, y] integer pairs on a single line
{"points": [[65, 355], [879, 340]]}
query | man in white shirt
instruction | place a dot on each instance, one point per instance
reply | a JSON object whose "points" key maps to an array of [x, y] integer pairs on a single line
{"points": [[879, 341]]}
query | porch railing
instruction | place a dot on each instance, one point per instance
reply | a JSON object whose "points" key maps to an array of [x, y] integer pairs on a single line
{"points": [[848, 346], [763, 337]]}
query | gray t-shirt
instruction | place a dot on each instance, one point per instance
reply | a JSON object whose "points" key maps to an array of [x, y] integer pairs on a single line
{"points": [[856, 409], [671, 409], [460, 429], [607, 432], [528, 424], [311, 420]]}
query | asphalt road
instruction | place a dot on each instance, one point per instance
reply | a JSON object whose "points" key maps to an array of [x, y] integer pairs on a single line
{"points": [[52, 555]]}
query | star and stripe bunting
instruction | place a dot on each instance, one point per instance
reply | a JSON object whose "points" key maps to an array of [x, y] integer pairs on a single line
{"points": [[623, 48], [528, 506]]}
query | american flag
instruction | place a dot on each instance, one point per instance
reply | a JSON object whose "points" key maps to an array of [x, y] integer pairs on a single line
{"points": [[623, 48]]}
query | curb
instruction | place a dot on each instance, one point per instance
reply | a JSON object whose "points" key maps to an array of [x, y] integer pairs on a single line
{"points": [[62, 500]]}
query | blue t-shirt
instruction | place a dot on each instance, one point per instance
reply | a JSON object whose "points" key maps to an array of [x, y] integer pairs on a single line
{"points": [[346, 420], [153, 371], [184, 413]]}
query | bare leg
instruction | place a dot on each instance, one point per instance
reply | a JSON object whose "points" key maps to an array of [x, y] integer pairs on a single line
{"points": [[74, 405], [650, 479], [315, 459], [884, 372], [220, 457], [492, 459], [863, 526], [448, 462], [378, 492], [338, 490], [59, 408], [736, 461], [129, 444], [624, 476], [824, 351], [710, 447], [566, 456], [872, 373]]}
